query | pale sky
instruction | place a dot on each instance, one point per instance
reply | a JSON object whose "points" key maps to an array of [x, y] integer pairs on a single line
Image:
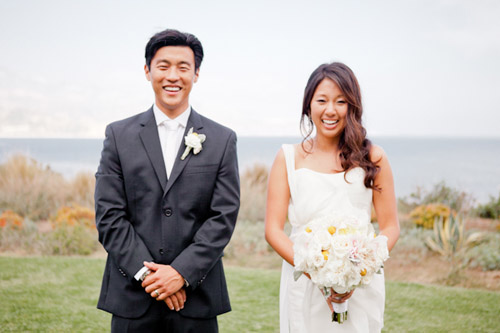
{"points": [[426, 67]]}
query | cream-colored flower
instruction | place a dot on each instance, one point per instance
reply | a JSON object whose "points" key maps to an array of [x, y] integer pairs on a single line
{"points": [[193, 141]]}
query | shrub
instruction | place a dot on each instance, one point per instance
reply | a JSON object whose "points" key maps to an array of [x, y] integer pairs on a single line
{"points": [[35, 191], [68, 240], [450, 238], [9, 219], [253, 193], [25, 240], [452, 242], [74, 231], [490, 210], [248, 238], [412, 241], [457, 200], [248, 246], [81, 189], [425, 215], [29, 188], [73, 216], [487, 254]]}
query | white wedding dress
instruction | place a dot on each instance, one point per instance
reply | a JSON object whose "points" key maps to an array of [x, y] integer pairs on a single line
{"points": [[302, 306]]}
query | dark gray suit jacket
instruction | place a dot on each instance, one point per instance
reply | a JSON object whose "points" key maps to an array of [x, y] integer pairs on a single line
{"points": [[185, 221]]}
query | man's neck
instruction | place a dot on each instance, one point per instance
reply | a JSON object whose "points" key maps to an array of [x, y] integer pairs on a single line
{"points": [[161, 116], [173, 113]]}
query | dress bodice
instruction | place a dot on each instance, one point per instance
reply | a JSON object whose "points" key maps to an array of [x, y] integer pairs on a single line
{"points": [[315, 194]]}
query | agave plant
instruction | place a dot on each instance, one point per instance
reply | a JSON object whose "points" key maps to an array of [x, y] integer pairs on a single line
{"points": [[450, 239]]}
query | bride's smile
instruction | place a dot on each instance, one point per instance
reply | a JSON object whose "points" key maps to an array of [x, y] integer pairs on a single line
{"points": [[329, 109]]}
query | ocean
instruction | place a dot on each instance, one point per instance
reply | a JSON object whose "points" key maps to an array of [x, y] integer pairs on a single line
{"points": [[471, 165]]}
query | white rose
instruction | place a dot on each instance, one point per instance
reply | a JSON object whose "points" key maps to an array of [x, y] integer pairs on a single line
{"points": [[318, 260], [193, 140], [323, 238], [341, 246], [355, 278]]}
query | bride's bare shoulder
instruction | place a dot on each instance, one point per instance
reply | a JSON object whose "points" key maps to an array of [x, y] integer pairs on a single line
{"points": [[302, 149], [377, 154]]}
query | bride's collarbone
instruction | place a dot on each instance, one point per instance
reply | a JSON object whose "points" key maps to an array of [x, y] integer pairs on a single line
{"points": [[319, 166], [318, 162]]}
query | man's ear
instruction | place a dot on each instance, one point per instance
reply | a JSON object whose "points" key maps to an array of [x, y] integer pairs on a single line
{"points": [[146, 71], [196, 74]]}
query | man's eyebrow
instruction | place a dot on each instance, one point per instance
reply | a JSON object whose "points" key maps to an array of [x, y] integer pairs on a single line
{"points": [[185, 63], [179, 63]]}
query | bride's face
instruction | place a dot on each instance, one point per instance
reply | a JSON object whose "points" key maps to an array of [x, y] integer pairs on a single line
{"points": [[329, 109]]}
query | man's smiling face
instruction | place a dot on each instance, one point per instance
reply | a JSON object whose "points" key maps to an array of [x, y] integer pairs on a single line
{"points": [[172, 74]]}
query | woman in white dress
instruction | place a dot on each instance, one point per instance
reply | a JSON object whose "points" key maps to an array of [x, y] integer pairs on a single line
{"points": [[337, 167]]}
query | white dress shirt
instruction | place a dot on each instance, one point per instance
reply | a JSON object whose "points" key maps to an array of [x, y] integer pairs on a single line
{"points": [[170, 132]]}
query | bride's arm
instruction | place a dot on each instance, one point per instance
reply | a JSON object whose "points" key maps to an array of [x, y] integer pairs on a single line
{"points": [[384, 201], [278, 197]]}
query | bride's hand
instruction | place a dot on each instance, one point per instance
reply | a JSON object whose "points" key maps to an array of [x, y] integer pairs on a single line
{"points": [[340, 298]]}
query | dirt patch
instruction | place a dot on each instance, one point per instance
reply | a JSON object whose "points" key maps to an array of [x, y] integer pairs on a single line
{"points": [[433, 269], [482, 224], [44, 226]]}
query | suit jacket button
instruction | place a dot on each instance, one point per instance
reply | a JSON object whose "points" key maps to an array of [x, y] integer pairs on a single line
{"points": [[167, 212], [161, 251]]}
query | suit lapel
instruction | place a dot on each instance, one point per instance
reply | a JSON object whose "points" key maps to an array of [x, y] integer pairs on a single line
{"points": [[151, 142], [194, 121]]}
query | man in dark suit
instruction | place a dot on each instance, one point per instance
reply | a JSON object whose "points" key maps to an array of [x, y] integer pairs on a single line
{"points": [[167, 198]]}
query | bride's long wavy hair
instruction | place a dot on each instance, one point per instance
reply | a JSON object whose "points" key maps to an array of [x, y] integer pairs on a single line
{"points": [[354, 147]]}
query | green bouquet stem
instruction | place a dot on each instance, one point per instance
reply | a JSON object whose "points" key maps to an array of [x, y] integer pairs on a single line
{"points": [[339, 317]]}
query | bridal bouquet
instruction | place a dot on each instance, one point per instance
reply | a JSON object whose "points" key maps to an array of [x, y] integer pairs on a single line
{"points": [[340, 252]]}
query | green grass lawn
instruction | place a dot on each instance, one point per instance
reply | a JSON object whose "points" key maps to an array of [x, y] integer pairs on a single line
{"points": [[58, 294]]}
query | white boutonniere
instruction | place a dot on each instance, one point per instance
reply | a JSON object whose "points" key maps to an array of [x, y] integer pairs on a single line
{"points": [[193, 141]]}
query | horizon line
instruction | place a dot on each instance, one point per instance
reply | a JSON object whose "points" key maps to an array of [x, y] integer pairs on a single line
{"points": [[403, 136]]}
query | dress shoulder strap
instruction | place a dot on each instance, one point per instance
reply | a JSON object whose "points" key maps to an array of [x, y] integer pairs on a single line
{"points": [[289, 152]]}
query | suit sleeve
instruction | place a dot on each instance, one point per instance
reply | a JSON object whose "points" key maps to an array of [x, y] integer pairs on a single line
{"points": [[116, 232], [194, 262]]}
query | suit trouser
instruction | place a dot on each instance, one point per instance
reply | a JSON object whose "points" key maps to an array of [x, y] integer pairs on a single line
{"points": [[159, 318]]}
